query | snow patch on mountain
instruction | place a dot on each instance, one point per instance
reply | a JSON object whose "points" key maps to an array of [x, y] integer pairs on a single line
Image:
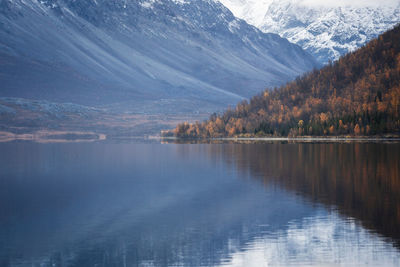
{"points": [[252, 11], [327, 30]]}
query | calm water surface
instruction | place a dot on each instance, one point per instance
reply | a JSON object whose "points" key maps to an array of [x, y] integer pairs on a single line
{"points": [[110, 204]]}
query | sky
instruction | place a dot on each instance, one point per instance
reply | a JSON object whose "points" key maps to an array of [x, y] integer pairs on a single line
{"points": [[328, 3], [358, 3]]}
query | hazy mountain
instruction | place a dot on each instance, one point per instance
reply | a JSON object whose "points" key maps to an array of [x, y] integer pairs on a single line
{"points": [[326, 29], [144, 55]]}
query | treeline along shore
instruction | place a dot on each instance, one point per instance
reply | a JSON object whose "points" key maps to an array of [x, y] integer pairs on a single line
{"points": [[358, 95]]}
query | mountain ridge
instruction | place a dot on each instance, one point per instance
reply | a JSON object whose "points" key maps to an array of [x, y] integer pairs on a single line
{"points": [[121, 54], [325, 31]]}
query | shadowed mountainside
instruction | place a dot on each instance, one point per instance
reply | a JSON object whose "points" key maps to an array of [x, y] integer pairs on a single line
{"points": [[139, 56]]}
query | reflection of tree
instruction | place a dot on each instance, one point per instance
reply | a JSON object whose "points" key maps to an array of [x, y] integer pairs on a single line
{"points": [[361, 180]]}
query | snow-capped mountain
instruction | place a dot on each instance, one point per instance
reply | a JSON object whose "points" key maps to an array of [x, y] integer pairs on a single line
{"points": [[252, 11], [326, 29], [170, 55]]}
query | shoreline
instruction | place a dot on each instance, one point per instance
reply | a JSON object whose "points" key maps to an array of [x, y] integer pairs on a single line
{"points": [[294, 139], [81, 136], [315, 138], [44, 136]]}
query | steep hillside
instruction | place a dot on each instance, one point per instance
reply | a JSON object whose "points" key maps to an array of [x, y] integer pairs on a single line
{"points": [[142, 56], [327, 30], [357, 95]]}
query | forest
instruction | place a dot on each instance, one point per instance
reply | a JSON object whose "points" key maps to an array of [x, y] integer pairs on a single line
{"points": [[358, 95]]}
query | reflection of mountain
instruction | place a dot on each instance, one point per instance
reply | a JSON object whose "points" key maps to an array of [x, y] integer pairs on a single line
{"points": [[110, 204], [361, 180], [134, 204]]}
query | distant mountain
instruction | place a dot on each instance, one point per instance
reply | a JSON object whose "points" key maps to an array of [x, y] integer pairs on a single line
{"points": [[357, 95], [325, 30], [143, 56]]}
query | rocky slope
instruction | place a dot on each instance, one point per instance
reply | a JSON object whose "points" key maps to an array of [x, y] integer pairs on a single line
{"points": [[145, 56]]}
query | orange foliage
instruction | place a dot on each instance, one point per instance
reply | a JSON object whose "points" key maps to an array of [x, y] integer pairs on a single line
{"points": [[358, 94]]}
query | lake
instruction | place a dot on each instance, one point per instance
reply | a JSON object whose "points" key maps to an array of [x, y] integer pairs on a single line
{"points": [[152, 204]]}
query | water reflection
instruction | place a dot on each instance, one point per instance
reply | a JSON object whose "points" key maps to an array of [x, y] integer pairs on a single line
{"points": [[361, 180], [198, 205], [318, 241]]}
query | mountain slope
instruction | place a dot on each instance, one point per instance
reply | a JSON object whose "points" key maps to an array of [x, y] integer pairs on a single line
{"points": [[138, 55], [357, 95], [325, 30]]}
